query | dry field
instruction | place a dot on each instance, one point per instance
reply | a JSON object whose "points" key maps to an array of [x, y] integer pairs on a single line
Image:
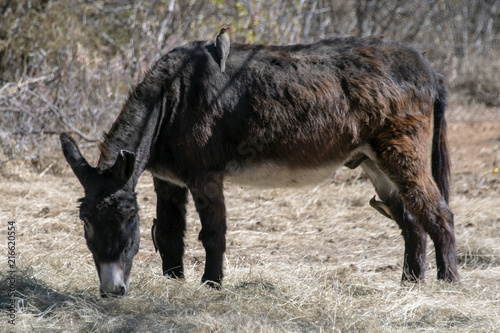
{"points": [[315, 259]]}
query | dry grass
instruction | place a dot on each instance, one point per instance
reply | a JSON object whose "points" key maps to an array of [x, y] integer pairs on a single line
{"points": [[302, 260], [299, 260]]}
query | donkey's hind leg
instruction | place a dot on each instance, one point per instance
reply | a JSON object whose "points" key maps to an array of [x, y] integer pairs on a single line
{"points": [[402, 154], [413, 233], [415, 240]]}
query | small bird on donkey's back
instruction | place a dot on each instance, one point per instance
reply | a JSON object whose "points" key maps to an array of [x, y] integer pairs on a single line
{"points": [[223, 44]]}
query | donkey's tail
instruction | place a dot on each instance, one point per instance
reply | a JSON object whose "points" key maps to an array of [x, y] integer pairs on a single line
{"points": [[440, 154]]}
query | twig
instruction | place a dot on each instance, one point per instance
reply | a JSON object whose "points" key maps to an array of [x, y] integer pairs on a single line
{"points": [[53, 108], [45, 170], [50, 132], [112, 42], [309, 16], [22, 83], [12, 109], [487, 94], [112, 10], [4, 9]]}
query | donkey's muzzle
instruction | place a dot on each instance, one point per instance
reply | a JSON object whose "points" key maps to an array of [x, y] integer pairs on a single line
{"points": [[113, 280]]}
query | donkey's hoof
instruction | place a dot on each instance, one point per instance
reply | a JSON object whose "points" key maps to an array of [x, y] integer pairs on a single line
{"points": [[217, 285], [174, 273]]}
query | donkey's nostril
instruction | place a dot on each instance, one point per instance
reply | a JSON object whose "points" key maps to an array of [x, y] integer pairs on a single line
{"points": [[122, 291]]}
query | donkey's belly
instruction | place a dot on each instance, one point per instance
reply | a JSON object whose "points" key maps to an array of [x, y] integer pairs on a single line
{"points": [[273, 175], [264, 175]]}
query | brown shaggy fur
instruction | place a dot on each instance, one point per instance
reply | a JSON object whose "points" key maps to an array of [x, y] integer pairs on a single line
{"points": [[293, 109]]}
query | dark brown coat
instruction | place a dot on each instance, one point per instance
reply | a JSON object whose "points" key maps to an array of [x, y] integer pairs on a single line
{"points": [[281, 115]]}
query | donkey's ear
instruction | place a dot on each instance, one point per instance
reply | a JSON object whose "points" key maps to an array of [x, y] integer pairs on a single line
{"points": [[81, 168], [123, 168]]}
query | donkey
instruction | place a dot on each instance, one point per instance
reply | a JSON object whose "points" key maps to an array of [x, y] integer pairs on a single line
{"points": [[279, 116]]}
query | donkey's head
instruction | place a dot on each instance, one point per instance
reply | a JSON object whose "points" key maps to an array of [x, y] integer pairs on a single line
{"points": [[110, 214]]}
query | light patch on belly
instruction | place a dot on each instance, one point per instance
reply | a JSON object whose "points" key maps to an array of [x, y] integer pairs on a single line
{"points": [[270, 174], [273, 175], [168, 176]]}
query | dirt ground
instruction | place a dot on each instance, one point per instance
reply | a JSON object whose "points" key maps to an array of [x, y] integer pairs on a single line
{"points": [[308, 259]]}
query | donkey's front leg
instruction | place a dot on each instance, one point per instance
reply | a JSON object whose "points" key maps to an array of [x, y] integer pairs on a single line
{"points": [[168, 230], [209, 200]]}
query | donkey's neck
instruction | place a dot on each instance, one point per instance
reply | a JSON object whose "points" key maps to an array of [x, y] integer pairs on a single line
{"points": [[134, 130]]}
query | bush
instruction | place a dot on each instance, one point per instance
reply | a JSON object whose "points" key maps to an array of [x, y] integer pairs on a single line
{"points": [[480, 82], [67, 65]]}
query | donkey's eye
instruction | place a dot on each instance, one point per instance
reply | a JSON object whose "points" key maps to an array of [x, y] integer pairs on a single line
{"points": [[130, 219], [87, 227], [86, 224]]}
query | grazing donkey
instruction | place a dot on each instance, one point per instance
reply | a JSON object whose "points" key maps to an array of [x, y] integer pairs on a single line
{"points": [[280, 116]]}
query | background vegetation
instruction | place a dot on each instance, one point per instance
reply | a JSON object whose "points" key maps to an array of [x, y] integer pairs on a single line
{"points": [[67, 65], [316, 259]]}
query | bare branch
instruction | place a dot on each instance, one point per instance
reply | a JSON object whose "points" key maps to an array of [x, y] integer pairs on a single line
{"points": [[63, 120]]}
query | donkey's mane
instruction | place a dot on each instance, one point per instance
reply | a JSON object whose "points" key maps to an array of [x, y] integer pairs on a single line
{"points": [[132, 121]]}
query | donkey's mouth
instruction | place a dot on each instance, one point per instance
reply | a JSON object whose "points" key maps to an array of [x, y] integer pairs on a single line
{"points": [[122, 292]]}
